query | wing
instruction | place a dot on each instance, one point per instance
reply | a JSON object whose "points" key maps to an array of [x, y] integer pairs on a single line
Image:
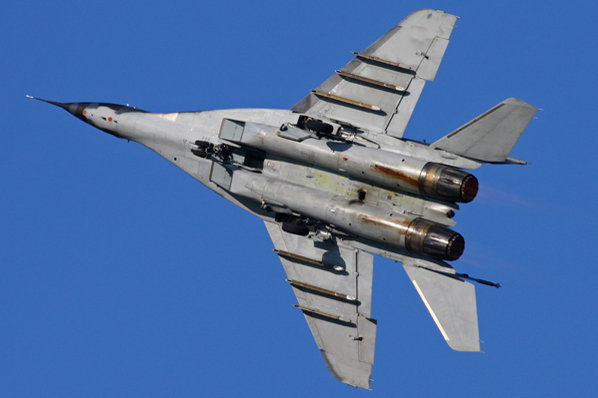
{"points": [[450, 300], [333, 285], [379, 88]]}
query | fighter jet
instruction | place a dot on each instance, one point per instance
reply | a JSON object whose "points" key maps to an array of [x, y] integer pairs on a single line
{"points": [[335, 183]]}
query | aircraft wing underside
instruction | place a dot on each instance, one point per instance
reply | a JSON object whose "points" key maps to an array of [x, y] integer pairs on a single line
{"points": [[333, 286], [380, 87]]}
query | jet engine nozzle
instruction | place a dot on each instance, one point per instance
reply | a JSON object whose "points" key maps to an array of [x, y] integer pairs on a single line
{"points": [[434, 240], [447, 183]]}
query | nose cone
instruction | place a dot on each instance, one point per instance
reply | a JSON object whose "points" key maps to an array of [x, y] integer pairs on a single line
{"points": [[78, 109], [116, 120], [74, 108]]}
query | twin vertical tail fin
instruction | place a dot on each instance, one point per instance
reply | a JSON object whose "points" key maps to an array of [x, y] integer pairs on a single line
{"points": [[491, 136]]}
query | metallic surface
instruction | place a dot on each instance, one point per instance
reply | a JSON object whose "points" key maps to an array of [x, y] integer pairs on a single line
{"points": [[302, 258], [371, 165], [335, 183], [369, 81], [447, 183], [321, 290], [318, 312], [396, 174], [434, 240], [347, 100], [382, 61]]}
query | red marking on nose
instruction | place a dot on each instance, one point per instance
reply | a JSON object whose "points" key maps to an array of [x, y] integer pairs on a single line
{"points": [[345, 158], [84, 111], [109, 119]]}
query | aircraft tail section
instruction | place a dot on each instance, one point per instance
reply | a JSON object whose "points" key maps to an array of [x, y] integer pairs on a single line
{"points": [[491, 136], [451, 303]]}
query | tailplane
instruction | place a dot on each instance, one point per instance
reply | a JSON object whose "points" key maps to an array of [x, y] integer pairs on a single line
{"points": [[450, 301], [491, 136]]}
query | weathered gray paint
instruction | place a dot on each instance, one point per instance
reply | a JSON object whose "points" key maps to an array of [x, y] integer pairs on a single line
{"points": [[491, 136], [364, 163], [333, 185], [407, 56]]}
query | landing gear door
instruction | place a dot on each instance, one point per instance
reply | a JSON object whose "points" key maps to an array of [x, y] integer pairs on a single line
{"points": [[221, 176], [232, 130]]}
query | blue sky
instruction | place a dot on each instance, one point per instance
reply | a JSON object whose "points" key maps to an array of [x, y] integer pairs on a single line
{"points": [[122, 276]]}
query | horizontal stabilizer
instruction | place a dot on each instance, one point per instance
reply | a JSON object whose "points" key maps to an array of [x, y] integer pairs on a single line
{"points": [[491, 136], [451, 303]]}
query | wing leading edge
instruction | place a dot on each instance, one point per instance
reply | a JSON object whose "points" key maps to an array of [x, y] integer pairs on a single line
{"points": [[333, 286], [379, 88]]}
